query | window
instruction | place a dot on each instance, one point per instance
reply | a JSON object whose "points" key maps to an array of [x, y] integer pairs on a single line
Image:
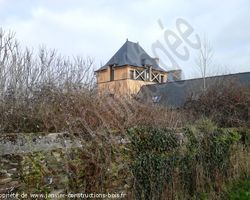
{"points": [[131, 74], [147, 75], [155, 80], [112, 74], [156, 99], [138, 74], [141, 77], [162, 79]]}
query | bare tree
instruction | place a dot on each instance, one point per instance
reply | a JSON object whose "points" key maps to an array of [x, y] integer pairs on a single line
{"points": [[204, 58], [22, 71]]}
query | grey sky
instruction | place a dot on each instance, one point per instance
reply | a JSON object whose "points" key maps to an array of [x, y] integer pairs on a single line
{"points": [[99, 28]]}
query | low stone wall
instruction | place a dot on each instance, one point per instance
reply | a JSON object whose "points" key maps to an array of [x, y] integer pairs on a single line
{"points": [[9, 173], [55, 163], [23, 143], [21, 158], [35, 172]]}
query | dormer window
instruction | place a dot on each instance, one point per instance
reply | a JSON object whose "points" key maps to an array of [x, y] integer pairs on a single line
{"points": [[156, 99]]}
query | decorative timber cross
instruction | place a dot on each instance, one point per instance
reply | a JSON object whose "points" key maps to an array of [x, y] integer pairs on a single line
{"points": [[147, 75]]}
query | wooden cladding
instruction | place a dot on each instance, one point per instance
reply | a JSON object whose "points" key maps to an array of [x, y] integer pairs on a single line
{"points": [[129, 72], [146, 75], [127, 79]]}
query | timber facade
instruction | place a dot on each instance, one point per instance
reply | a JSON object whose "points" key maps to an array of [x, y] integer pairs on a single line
{"points": [[128, 70]]}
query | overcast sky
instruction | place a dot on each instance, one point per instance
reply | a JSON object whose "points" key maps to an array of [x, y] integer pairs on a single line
{"points": [[99, 28]]}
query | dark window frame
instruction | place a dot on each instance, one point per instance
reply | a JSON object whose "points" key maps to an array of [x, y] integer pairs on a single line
{"points": [[112, 74]]}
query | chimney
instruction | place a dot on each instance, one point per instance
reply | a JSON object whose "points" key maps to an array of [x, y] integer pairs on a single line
{"points": [[157, 60]]}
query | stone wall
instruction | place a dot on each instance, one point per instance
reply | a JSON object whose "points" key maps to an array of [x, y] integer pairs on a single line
{"points": [[57, 163]]}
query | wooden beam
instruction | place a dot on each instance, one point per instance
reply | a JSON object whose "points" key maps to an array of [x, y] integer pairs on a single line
{"points": [[156, 76], [141, 74], [150, 73]]}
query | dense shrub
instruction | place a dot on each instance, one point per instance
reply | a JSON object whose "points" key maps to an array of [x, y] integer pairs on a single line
{"points": [[51, 109], [154, 159], [208, 151], [201, 165], [240, 190], [155, 163], [227, 103]]}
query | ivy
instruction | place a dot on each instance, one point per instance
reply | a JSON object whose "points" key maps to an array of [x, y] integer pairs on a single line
{"points": [[154, 157], [158, 160]]}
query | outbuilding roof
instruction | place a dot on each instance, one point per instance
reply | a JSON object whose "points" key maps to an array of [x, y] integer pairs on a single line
{"points": [[174, 94]]}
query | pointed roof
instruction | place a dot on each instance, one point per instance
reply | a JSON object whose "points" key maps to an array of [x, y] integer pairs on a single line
{"points": [[132, 54]]}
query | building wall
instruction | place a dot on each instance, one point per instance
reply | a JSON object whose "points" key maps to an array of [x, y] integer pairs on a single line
{"points": [[121, 87], [121, 73], [122, 83], [113, 87], [134, 86], [103, 76]]}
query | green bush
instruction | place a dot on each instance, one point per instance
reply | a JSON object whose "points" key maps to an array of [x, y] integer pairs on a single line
{"points": [[208, 151], [188, 166], [245, 136], [240, 191], [154, 157]]}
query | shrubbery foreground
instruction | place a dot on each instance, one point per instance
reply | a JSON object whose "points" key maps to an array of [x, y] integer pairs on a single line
{"points": [[167, 153], [198, 162]]}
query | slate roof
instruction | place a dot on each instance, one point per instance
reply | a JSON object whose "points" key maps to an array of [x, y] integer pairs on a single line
{"points": [[131, 54], [174, 94]]}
